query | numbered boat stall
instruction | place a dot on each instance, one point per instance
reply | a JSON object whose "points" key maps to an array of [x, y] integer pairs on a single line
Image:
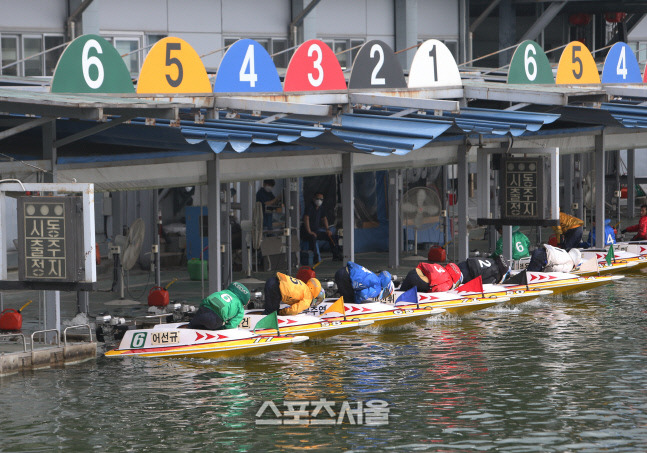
{"points": [[177, 126]]}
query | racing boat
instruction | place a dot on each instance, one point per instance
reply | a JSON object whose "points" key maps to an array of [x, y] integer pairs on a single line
{"points": [[510, 296], [382, 315], [637, 247], [174, 340], [302, 324], [558, 282], [621, 256], [453, 303]]}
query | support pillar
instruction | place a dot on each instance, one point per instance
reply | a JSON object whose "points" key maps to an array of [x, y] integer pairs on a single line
{"points": [[507, 30], [348, 206], [246, 204], [463, 187], [567, 177], [507, 242], [406, 29], [52, 299], [213, 231], [600, 173], [631, 182], [225, 234], [395, 228], [578, 192]]}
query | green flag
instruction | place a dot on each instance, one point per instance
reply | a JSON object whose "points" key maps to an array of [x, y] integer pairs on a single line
{"points": [[270, 321], [610, 256]]}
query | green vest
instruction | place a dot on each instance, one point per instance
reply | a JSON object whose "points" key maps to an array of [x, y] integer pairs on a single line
{"points": [[226, 305], [520, 244]]}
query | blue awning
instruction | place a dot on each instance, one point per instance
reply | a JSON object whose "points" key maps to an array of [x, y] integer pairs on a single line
{"points": [[629, 115]]}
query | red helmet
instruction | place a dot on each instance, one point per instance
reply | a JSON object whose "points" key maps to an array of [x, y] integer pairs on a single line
{"points": [[454, 272]]}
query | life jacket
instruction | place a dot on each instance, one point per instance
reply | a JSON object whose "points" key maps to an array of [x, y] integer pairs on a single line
{"points": [[557, 260], [294, 293], [487, 268], [438, 278], [366, 284]]}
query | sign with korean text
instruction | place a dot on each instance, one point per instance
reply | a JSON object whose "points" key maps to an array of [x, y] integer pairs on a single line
{"points": [[522, 184], [48, 237]]}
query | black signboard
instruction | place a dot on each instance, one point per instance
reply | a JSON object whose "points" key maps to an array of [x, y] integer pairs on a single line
{"points": [[376, 66], [50, 239], [522, 183]]}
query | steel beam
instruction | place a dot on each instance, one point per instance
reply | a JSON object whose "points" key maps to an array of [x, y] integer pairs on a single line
{"points": [[348, 206], [463, 200], [213, 231], [599, 189], [392, 101], [546, 17], [395, 229], [631, 182]]}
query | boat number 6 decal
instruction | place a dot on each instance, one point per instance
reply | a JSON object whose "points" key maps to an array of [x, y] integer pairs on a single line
{"points": [[139, 339]]}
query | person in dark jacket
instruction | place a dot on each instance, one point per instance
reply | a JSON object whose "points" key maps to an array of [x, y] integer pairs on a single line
{"points": [[491, 270], [316, 227]]}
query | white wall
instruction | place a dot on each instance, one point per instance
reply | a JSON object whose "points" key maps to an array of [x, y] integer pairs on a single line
{"points": [[33, 15], [438, 19]]}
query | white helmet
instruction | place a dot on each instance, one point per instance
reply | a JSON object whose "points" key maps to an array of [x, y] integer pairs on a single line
{"points": [[576, 256]]}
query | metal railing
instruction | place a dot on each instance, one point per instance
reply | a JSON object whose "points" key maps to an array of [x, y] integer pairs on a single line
{"points": [[79, 326], [58, 337], [24, 342]]}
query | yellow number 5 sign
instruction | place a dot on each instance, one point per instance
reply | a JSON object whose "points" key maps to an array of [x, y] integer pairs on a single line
{"points": [[173, 66], [576, 66]]}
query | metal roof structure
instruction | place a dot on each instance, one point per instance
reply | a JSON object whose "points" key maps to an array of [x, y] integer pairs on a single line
{"points": [[168, 138]]}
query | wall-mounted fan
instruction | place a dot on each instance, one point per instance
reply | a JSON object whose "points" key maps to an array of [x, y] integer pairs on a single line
{"points": [[420, 206]]}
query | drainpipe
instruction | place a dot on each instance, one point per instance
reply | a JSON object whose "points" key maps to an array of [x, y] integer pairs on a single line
{"points": [[71, 20], [294, 25]]}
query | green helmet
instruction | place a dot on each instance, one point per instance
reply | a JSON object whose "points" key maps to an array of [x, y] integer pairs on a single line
{"points": [[240, 291]]}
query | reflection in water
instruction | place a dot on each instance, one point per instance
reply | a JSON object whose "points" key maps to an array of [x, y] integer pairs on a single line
{"points": [[563, 373]]}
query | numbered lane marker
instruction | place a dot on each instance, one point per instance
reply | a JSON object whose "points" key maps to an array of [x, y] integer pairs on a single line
{"points": [[621, 65], [376, 66], [247, 67], [90, 64], [314, 67], [172, 66], [433, 65], [577, 66], [529, 64]]}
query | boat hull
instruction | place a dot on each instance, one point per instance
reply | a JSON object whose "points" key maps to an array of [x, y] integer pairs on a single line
{"points": [[170, 340]]}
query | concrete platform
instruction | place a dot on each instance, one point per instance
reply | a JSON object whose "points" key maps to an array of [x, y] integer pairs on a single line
{"points": [[14, 359]]}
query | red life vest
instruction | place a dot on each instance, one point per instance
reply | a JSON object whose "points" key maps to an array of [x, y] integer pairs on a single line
{"points": [[439, 279]]}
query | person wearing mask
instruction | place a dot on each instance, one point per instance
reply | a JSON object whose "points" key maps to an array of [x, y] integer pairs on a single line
{"points": [[609, 234], [357, 285], [432, 277], [222, 310], [293, 292], [266, 197], [315, 227], [641, 228], [520, 244], [569, 231]]}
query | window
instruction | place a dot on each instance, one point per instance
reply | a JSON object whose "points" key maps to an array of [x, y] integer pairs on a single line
{"points": [[9, 52], [33, 62], [52, 56], [273, 46], [128, 49], [341, 47]]}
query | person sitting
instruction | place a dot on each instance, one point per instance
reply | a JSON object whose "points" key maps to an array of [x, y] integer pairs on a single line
{"points": [[222, 310], [356, 284], [432, 277], [491, 270], [520, 244], [553, 259], [315, 227], [291, 291], [266, 197], [570, 228], [641, 227], [609, 234]]}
